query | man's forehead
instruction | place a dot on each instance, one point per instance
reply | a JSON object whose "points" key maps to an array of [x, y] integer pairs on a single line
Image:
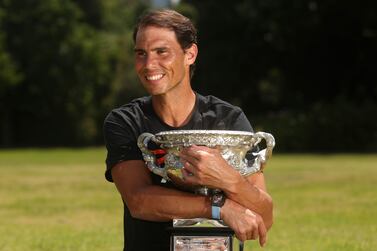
{"points": [[153, 44], [156, 37], [155, 33]]}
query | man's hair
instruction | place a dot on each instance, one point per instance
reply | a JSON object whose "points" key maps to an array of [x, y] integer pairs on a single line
{"points": [[182, 26]]}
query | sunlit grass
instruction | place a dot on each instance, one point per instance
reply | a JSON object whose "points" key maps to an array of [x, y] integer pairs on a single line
{"points": [[58, 200], [323, 202]]}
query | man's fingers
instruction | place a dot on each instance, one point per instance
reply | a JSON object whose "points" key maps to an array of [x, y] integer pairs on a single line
{"points": [[188, 158], [241, 237], [196, 152], [188, 166], [187, 176], [262, 233], [255, 234]]}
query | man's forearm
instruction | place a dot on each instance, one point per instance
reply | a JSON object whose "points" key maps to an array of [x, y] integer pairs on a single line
{"points": [[152, 202], [252, 197], [157, 203]]}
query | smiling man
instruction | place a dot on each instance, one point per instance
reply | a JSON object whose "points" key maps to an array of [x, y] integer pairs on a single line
{"points": [[165, 53]]}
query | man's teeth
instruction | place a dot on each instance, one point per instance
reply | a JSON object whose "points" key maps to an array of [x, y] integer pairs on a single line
{"points": [[154, 77]]}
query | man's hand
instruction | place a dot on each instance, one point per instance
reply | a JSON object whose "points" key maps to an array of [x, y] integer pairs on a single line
{"points": [[205, 166], [246, 224], [251, 212]]}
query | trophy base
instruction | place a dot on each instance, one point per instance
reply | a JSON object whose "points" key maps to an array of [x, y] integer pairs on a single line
{"points": [[201, 239]]}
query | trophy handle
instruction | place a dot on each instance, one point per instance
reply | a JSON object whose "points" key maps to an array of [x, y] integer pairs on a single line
{"points": [[270, 143], [149, 157], [263, 155]]}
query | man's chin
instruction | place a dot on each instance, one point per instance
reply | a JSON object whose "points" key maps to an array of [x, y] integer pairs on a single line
{"points": [[154, 92]]}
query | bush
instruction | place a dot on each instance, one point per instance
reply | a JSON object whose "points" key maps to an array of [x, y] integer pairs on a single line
{"points": [[332, 127]]}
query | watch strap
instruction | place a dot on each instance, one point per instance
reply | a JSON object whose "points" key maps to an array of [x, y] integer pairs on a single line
{"points": [[216, 212]]}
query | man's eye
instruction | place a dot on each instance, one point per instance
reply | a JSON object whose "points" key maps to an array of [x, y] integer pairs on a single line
{"points": [[140, 54], [161, 52]]}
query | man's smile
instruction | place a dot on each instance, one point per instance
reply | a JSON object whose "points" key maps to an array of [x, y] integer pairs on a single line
{"points": [[154, 77]]}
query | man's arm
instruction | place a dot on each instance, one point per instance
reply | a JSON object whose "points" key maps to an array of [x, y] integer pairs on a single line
{"points": [[155, 203], [206, 166], [251, 193]]}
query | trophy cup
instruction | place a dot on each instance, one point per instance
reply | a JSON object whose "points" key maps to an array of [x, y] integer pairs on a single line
{"points": [[203, 234]]}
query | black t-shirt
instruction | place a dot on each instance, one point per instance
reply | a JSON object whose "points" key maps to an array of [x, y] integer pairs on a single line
{"points": [[123, 126]]}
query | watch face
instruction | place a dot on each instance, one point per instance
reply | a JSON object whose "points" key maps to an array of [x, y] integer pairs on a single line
{"points": [[218, 199]]}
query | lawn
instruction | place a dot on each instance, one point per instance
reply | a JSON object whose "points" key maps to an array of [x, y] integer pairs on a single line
{"points": [[57, 199]]}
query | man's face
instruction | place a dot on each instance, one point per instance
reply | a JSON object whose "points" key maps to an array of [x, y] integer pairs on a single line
{"points": [[160, 62]]}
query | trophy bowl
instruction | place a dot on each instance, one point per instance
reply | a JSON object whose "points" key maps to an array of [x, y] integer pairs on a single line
{"points": [[233, 146]]}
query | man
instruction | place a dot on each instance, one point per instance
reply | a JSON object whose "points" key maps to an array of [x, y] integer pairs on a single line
{"points": [[165, 53]]}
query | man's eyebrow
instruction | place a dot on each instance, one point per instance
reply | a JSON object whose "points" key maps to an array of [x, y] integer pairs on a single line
{"points": [[160, 48], [154, 49], [138, 50]]}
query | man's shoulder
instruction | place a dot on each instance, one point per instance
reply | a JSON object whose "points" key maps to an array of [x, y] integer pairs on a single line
{"points": [[217, 114], [211, 102], [135, 104], [133, 109]]}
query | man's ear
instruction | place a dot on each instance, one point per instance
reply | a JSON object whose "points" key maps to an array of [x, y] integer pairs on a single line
{"points": [[191, 54]]}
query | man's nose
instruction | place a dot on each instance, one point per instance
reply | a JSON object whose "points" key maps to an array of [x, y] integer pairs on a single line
{"points": [[150, 62]]}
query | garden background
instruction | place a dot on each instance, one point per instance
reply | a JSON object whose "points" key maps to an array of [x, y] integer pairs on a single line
{"points": [[302, 70]]}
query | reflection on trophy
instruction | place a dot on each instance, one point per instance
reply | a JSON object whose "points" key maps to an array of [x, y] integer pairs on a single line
{"points": [[203, 234]]}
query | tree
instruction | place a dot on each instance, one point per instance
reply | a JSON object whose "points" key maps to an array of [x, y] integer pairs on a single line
{"points": [[282, 61], [9, 78], [64, 67], [66, 63]]}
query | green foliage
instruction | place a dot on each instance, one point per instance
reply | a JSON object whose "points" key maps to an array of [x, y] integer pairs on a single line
{"points": [[280, 54], [297, 68], [9, 77], [340, 126], [303, 68], [72, 57]]}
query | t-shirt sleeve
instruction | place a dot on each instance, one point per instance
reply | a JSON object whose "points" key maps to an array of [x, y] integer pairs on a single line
{"points": [[241, 123], [121, 141]]}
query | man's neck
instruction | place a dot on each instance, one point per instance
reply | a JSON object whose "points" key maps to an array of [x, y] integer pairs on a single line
{"points": [[175, 109]]}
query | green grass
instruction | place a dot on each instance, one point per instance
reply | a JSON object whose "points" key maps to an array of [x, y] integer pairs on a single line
{"points": [[323, 202], [58, 200]]}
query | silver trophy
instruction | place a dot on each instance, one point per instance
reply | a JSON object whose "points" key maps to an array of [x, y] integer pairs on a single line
{"points": [[203, 234]]}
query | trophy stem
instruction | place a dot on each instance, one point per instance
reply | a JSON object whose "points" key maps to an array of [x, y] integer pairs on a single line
{"points": [[241, 246]]}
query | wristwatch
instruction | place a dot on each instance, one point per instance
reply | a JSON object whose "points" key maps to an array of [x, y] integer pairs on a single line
{"points": [[217, 201]]}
